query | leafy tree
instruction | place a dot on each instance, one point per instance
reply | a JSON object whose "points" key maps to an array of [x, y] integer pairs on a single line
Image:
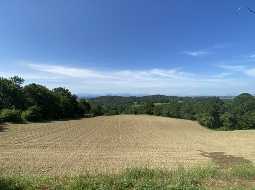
{"points": [[228, 121], [33, 113], [243, 103], [85, 106], [246, 121], [211, 109], [67, 103], [97, 110], [149, 108], [207, 120], [43, 98], [10, 115], [37, 102], [187, 110], [157, 110], [18, 81], [11, 94]]}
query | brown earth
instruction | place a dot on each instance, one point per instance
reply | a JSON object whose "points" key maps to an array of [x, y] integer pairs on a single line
{"points": [[111, 143]]}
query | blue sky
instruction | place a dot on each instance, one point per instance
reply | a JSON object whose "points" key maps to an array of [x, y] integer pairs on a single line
{"points": [[173, 47]]}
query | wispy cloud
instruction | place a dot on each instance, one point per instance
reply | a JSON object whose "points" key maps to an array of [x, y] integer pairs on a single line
{"points": [[250, 72], [221, 45], [198, 53], [85, 73], [243, 69], [207, 51], [252, 56], [66, 71], [174, 81], [233, 68], [229, 79], [222, 75]]}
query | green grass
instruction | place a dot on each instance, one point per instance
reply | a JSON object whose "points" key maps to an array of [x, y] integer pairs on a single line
{"points": [[211, 177]]}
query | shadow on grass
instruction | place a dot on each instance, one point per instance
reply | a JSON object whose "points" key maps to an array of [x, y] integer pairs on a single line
{"points": [[223, 160]]}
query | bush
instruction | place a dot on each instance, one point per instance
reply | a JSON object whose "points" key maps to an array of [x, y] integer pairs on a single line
{"points": [[97, 110], [227, 121], [149, 108], [32, 114], [157, 110], [206, 120], [85, 106], [10, 115]]}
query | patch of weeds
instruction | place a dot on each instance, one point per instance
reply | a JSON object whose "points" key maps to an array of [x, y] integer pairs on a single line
{"points": [[197, 178], [245, 171]]}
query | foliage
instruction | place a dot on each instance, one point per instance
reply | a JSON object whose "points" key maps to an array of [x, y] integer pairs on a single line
{"points": [[10, 115], [85, 106], [227, 120], [11, 93], [33, 113], [211, 112], [67, 104], [42, 97], [97, 110], [149, 106], [37, 102]]}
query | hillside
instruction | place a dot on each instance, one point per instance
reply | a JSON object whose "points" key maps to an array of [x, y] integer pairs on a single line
{"points": [[111, 143]]}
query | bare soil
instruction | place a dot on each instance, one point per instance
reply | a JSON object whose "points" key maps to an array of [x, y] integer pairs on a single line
{"points": [[112, 143]]}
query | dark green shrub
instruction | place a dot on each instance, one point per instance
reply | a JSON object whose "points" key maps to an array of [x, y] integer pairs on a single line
{"points": [[149, 108], [97, 110], [11, 93], [10, 115], [33, 113], [206, 120], [227, 121], [67, 103], [85, 106], [157, 110], [41, 96]]}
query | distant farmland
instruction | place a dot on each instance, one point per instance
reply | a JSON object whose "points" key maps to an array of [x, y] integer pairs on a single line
{"points": [[111, 143]]}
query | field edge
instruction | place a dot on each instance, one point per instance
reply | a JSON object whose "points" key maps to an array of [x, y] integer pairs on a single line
{"points": [[208, 177]]}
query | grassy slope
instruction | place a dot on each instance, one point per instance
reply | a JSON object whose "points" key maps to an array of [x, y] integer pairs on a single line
{"points": [[238, 177]]}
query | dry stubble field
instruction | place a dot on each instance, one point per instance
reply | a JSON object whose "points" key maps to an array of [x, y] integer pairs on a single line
{"points": [[111, 143]]}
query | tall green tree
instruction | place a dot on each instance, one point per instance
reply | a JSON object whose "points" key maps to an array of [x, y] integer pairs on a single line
{"points": [[67, 103], [11, 93], [43, 98]]}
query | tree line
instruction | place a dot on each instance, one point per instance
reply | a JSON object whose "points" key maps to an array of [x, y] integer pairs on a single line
{"points": [[211, 112], [34, 102]]}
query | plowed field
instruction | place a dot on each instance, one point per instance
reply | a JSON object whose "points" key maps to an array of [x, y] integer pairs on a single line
{"points": [[111, 143]]}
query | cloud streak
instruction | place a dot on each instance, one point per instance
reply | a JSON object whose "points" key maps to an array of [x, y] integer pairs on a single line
{"points": [[241, 69], [84, 73], [206, 51], [198, 53], [66, 71], [252, 56], [151, 81], [226, 80]]}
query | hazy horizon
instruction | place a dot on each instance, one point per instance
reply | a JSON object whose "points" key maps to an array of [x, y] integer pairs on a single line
{"points": [[141, 95]]}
